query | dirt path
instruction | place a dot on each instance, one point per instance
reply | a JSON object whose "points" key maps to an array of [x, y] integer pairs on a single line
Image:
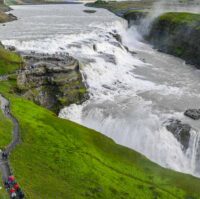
{"points": [[4, 164]]}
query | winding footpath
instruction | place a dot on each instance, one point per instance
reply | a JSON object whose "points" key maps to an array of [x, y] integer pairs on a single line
{"points": [[4, 164]]}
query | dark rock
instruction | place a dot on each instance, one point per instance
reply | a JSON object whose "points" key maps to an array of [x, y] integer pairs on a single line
{"points": [[117, 37], [89, 11], [51, 81], [11, 48], [134, 17], [117, 44], [12, 17], [130, 51], [94, 47], [180, 131], [108, 57], [193, 113]]}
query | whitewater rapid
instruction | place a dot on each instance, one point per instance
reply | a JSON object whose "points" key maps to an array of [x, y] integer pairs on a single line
{"points": [[132, 92]]}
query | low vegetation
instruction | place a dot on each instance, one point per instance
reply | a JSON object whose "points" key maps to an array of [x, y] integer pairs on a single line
{"points": [[178, 18], [3, 193], [9, 62], [5, 132]]}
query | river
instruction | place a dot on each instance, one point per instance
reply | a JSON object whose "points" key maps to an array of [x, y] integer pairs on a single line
{"points": [[132, 95]]}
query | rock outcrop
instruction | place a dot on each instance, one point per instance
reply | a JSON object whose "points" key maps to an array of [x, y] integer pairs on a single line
{"points": [[51, 81], [177, 34], [193, 114], [180, 131]]}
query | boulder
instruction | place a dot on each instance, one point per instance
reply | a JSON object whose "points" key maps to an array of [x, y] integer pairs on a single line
{"points": [[193, 113], [180, 131]]}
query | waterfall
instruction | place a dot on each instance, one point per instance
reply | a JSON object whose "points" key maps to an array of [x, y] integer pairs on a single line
{"points": [[193, 152], [133, 88]]}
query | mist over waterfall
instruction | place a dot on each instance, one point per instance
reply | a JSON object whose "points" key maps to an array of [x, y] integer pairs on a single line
{"points": [[133, 88], [164, 6]]}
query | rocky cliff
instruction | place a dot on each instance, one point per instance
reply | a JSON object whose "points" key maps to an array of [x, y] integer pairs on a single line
{"points": [[177, 34], [51, 81]]}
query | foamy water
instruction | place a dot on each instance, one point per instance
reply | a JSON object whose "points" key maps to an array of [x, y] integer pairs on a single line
{"points": [[131, 95]]}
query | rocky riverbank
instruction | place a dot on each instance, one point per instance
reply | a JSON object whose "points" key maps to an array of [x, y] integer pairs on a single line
{"points": [[4, 16]]}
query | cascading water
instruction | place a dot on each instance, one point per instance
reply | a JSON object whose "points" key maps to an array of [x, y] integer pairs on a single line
{"points": [[122, 101], [193, 151], [132, 92]]}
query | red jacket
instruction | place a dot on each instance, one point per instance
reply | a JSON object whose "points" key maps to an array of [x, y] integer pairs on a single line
{"points": [[12, 190], [16, 186]]}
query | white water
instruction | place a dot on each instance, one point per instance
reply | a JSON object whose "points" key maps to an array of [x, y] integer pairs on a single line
{"points": [[131, 96]]}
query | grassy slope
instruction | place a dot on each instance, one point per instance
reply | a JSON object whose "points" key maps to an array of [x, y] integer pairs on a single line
{"points": [[5, 138], [178, 18], [6, 129], [9, 62], [3, 193], [59, 159]]}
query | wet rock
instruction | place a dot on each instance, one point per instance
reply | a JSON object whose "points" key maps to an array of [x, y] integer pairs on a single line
{"points": [[95, 47], [134, 17], [130, 51], [108, 57], [52, 81], [89, 11], [180, 131], [193, 113], [12, 17], [11, 48], [117, 37]]}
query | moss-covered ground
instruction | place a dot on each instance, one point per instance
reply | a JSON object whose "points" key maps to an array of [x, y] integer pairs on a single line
{"points": [[6, 129], [177, 18], [3, 193], [9, 61], [59, 159]]}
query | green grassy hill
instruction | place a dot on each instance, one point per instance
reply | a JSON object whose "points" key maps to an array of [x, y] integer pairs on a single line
{"points": [[59, 159]]}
